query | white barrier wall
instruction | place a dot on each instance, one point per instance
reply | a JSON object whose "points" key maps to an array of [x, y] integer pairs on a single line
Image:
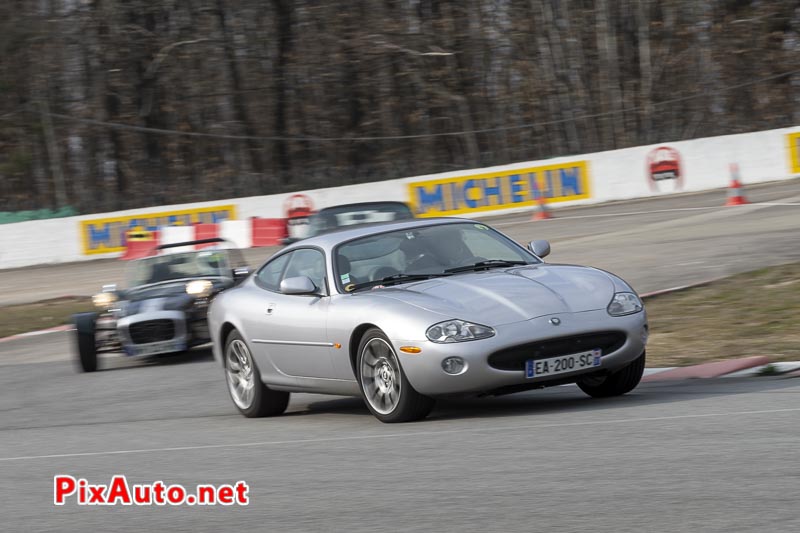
{"points": [[239, 232], [702, 164]]}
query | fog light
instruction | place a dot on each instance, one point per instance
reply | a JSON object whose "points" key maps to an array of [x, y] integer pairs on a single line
{"points": [[454, 365], [645, 334]]}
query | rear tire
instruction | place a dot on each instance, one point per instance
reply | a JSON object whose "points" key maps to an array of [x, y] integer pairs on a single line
{"points": [[618, 383], [86, 342], [384, 386], [249, 394]]}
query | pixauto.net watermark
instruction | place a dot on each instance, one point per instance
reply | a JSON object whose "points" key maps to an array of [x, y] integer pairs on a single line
{"points": [[120, 492]]}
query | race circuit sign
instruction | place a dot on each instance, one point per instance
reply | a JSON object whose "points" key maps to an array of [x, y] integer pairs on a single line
{"points": [[793, 148], [104, 235], [663, 165], [502, 189], [298, 209]]}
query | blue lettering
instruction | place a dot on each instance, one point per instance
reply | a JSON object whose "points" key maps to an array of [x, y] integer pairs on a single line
{"points": [[99, 236], [430, 200], [495, 191], [570, 181], [219, 216], [468, 186], [536, 190], [517, 188], [548, 178]]}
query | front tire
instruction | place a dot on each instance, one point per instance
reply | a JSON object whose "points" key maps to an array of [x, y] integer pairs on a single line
{"points": [[86, 341], [384, 386], [250, 395], [618, 383]]}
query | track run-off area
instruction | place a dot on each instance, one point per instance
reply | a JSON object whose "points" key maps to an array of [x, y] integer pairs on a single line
{"points": [[700, 455]]}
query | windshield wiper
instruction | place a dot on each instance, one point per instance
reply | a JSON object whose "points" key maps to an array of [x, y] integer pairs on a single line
{"points": [[395, 279], [484, 265]]}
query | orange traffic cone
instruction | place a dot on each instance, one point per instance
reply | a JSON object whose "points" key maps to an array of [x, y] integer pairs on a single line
{"points": [[541, 211], [735, 190]]}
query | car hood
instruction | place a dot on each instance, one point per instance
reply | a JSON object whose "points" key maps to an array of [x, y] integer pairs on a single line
{"points": [[503, 296], [169, 296], [171, 288]]}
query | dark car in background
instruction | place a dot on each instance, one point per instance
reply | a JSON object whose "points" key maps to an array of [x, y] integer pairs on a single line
{"points": [[338, 216], [162, 308]]}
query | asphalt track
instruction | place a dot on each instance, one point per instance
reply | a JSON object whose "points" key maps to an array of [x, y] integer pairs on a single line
{"points": [[715, 455], [718, 455]]}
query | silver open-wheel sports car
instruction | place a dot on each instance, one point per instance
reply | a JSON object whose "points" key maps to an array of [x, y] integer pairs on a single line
{"points": [[404, 312]]}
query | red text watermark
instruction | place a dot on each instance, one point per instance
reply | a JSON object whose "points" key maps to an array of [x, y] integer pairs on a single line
{"points": [[119, 492]]}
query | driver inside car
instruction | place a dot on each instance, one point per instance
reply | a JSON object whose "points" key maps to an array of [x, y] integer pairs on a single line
{"points": [[433, 251], [160, 271]]}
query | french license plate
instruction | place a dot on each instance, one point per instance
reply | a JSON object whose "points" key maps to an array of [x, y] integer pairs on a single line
{"points": [[161, 347], [536, 368]]}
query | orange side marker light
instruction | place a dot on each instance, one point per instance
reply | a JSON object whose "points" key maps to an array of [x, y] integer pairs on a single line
{"points": [[410, 349]]}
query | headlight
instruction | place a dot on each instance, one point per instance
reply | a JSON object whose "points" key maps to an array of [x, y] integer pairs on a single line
{"points": [[200, 288], [104, 300], [624, 303], [457, 331]]}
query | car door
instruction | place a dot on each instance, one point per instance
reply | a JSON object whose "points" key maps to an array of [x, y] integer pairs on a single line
{"points": [[292, 330]]}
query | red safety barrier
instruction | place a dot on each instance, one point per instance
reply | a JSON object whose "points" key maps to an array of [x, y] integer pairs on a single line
{"points": [[205, 231], [269, 231], [139, 244]]}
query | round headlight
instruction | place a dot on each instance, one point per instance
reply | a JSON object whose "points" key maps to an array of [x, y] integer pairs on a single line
{"points": [[454, 365], [104, 300], [624, 303], [199, 288]]}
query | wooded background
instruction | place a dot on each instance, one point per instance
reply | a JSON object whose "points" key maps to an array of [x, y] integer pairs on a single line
{"points": [[284, 95]]}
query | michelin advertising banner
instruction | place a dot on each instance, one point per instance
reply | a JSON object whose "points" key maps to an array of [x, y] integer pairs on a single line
{"points": [[103, 235], [503, 189], [793, 148]]}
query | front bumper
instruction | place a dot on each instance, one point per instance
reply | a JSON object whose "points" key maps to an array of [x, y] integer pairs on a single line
{"points": [[425, 373]]}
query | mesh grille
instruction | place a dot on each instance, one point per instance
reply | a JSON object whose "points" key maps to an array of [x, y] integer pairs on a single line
{"points": [[514, 358], [152, 331]]}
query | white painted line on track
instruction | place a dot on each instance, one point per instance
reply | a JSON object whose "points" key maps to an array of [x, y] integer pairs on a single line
{"points": [[398, 435], [623, 214], [637, 213]]}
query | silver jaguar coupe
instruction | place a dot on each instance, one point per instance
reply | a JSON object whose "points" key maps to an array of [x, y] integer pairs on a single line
{"points": [[404, 312]]}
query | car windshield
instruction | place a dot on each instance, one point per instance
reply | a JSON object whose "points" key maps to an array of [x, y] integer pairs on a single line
{"points": [[427, 251], [337, 217], [172, 266]]}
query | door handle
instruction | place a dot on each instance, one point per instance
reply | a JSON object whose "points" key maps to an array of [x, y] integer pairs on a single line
{"points": [[270, 308]]}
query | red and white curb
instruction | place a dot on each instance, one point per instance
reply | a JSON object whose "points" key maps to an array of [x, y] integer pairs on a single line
{"points": [[769, 369], [56, 329], [708, 370]]}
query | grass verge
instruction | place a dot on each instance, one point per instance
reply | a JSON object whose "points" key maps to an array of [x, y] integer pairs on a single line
{"points": [[755, 313], [22, 318]]}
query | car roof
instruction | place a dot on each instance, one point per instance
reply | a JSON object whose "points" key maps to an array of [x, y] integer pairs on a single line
{"points": [[329, 240], [360, 205]]}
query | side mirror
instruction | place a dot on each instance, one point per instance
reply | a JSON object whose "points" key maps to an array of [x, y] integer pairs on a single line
{"points": [[298, 285], [540, 248], [289, 240], [240, 273]]}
